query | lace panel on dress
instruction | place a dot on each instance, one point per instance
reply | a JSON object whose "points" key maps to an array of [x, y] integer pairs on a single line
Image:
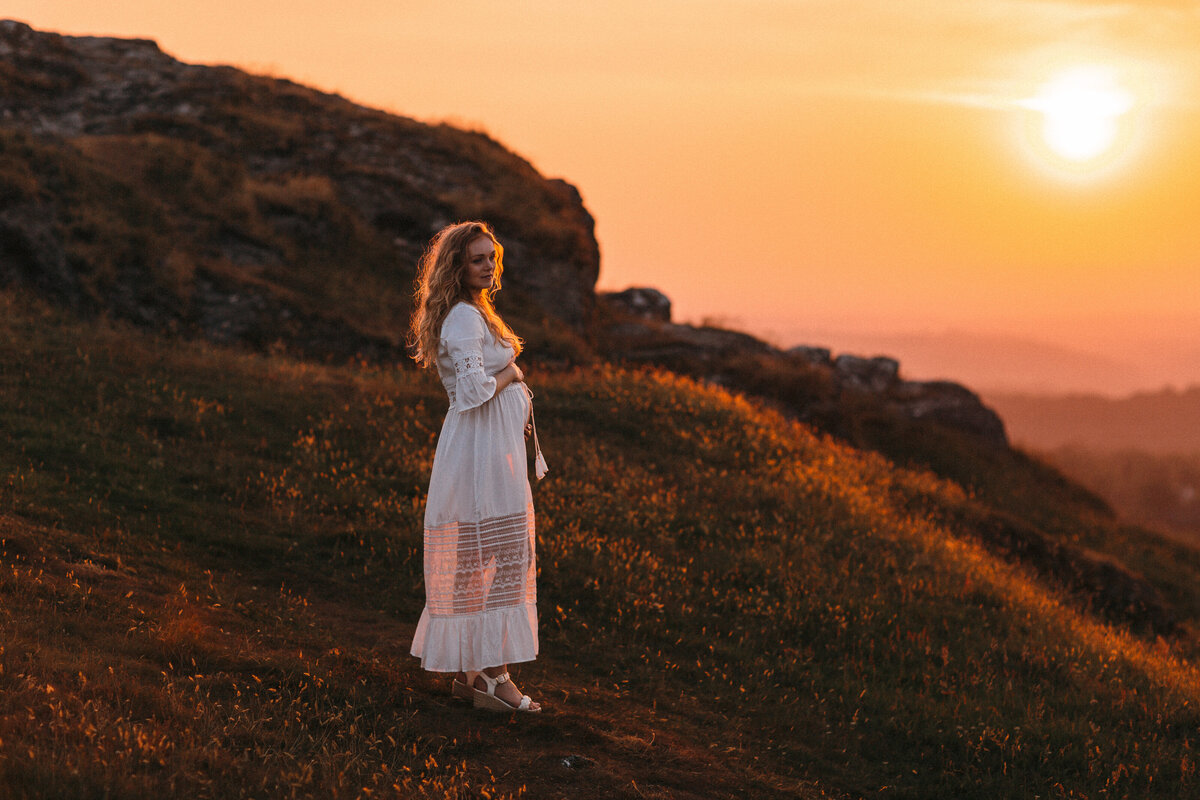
{"points": [[471, 567], [469, 363]]}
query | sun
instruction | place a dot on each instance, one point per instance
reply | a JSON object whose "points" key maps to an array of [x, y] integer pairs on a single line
{"points": [[1082, 111]]}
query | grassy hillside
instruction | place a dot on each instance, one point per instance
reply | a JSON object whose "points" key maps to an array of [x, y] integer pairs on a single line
{"points": [[210, 568]]}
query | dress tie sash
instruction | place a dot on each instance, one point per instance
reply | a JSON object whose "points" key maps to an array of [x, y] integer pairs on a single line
{"points": [[539, 462]]}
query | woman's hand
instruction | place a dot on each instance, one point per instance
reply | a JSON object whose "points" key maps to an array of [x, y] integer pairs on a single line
{"points": [[510, 374]]}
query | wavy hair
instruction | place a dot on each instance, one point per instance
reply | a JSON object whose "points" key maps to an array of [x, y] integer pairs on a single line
{"points": [[440, 285]]}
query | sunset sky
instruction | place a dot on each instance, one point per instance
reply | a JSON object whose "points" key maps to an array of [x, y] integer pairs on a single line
{"points": [[852, 174]]}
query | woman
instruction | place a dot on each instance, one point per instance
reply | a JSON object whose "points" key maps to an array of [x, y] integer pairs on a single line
{"points": [[480, 597]]}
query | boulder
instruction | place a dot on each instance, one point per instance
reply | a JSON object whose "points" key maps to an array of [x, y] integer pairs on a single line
{"points": [[817, 356], [948, 404], [866, 374], [641, 302]]}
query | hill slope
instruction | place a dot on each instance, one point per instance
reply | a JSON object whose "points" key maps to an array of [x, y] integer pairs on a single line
{"points": [[211, 559], [211, 567], [244, 208], [207, 202]]}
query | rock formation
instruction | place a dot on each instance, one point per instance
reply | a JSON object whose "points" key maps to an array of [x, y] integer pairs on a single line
{"points": [[640, 301], [808, 382], [204, 198], [254, 210]]}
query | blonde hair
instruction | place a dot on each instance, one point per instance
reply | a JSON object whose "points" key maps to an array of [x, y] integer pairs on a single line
{"points": [[440, 286]]}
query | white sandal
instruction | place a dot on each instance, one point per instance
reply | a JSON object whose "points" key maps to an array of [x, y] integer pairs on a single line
{"points": [[489, 700]]}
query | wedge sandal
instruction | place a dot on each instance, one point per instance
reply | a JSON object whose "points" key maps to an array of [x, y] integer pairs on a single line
{"points": [[488, 700]]}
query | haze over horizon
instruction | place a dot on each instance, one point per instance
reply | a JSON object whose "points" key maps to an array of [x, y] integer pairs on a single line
{"points": [[999, 363], [936, 178]]}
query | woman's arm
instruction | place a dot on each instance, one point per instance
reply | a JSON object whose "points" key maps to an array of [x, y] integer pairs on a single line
{"points": [[510, 374], [463, 334]]}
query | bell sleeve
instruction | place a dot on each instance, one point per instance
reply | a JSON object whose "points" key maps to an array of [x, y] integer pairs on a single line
{"points": [[463, 336]]}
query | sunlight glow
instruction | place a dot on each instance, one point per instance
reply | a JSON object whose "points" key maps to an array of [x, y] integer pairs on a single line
{"points": [[1081, 109]]}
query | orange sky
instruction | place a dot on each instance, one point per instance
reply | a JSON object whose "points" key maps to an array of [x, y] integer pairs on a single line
{"points": [[813, 170]]}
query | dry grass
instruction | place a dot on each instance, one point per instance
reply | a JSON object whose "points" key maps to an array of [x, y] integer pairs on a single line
{"points": [[211, 566]]}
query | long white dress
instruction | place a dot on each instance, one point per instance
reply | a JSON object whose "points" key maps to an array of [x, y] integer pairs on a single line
{"points": [[480, 593]]}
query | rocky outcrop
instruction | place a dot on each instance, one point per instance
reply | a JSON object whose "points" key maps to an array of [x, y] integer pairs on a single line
{"points": [[641, 302], [866, 374], [253, 210], [808, 381], [816, 356], [265, 188], [948, 404]]}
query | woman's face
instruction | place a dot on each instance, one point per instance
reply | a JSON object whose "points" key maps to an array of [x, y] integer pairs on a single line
{"points": [[481, 264]]}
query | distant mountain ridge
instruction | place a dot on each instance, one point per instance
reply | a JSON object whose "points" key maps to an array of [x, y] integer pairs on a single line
{"points": [[1001, 364], [1163, 422]]}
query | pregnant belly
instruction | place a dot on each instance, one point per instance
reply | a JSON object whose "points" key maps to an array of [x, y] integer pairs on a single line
{"points": [[515, 401]]}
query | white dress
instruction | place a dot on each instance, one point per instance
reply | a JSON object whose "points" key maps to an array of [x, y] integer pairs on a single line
{"points": [[480, 594]]}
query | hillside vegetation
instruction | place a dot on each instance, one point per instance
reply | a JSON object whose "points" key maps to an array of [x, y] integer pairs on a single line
{"points": [[211, 568], [242, 208], [213, 470]]}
